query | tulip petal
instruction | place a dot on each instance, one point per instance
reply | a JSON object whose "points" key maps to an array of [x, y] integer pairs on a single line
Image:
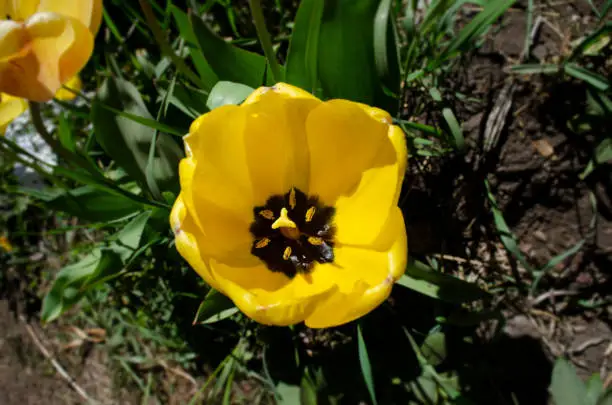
{"points": [[185, 234], [376, 271], [13, 40], [10, 108], [222, 233], [64, 94], [58, 48], [276, 140], [216, 143], [355, 167], [88, 12], [21, 10]]}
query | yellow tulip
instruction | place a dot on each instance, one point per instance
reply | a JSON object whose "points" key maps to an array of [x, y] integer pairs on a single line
{"points": [[288, 206], [44, 43], [10, 108], [73, 83]]}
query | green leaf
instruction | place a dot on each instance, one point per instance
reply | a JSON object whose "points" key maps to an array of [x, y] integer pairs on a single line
{"points": [[229, 62], [434, 348], [366, 369], [595, 389], [606, 398], [66, 134], [565, 386], [423, 279], [127, 141], [386, 50], [535, 68], [289, 394], [594, 42], [454, 128], [346, 60], [208, 76], [303, 53], [92, 204], [227, 93], [478, 26], [594, 79], [308, 390], [71, 282], [215, 307], [602, 154], [505, 234]]}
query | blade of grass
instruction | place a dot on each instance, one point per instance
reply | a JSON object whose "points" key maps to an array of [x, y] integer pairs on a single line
{"points": [[535, 68], [594, 79], [165, 47], [477, 27], [366, 369], [505, 234]]}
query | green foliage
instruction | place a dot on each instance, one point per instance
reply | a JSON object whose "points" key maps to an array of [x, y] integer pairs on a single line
{"points": [[425, 280], [103, 263], [127, 141], [568, 389], [227, 93], [227, 61], [345, 23]]}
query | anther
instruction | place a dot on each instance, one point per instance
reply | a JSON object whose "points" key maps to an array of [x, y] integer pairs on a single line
{"points": [[310, 213], [292, 200], [267, 214], [287, 253], [315, 241], [262, 243]]}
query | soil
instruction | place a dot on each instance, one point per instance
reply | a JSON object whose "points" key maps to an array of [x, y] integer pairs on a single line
{"points": [[533, 168]]}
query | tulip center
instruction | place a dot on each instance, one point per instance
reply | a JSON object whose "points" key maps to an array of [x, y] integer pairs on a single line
{"points": [[292, 232]]}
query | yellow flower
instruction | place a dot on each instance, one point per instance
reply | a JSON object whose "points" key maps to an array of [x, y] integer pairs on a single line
{"points": [[5, 244], [288, 206], [44, 43], [10, 108], [73, 83]]}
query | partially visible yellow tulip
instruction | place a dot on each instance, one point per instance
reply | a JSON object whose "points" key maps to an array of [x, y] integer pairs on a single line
{"points": [[288, 206], [44, 44], [5, 244], [66, 95], [10, 108]]}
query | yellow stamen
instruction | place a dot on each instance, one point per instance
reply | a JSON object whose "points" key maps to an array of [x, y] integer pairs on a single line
{"points": [[315, 241], [292, 200], [287, 253], [283, 221], [267, 214], [310, 213], [262, 243]]}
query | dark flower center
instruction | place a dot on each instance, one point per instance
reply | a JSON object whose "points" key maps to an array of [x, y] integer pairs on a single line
{"points": [[293, 231]]}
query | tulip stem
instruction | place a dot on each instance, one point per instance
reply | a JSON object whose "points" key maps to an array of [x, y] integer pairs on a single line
{"points": [[38, 123], [265, 39]]}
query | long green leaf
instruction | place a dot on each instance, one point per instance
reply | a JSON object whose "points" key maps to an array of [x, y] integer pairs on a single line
{"points": [[565, 386], [302, 57], [215, 307], [594, 79], [478, 26], [366, 368], [208, 76], [346, 62], [229, 62], [423, 279], [127, 141]]}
